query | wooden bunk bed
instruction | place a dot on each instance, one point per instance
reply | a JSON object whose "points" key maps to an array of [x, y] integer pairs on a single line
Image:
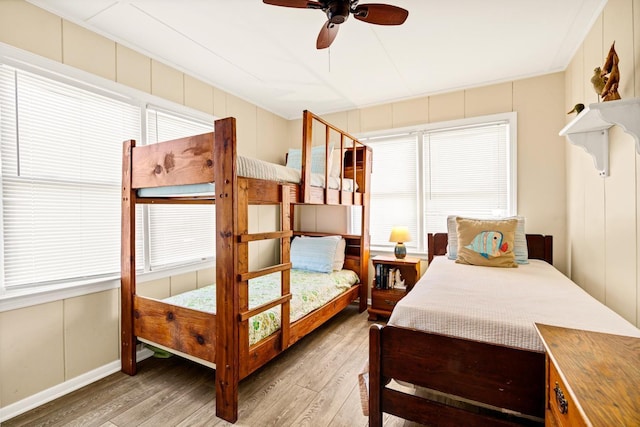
{"points": [[468, 375], [222, 338]]}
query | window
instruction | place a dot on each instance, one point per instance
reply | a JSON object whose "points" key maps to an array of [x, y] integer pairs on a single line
{"points": [[394, 181], [421, 175], [61, 167]]}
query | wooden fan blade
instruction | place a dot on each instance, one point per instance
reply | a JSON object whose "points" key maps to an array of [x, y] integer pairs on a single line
{"points": [[302, 4], [381, 14], [328, 33]]}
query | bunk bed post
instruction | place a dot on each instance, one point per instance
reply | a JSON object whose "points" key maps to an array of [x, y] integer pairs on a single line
{"points": [[365, 238], [375, 359], [327, 156], [341, 192], [285, 258], [127, 263], [241, 285], [307, 130], [227, 304]]}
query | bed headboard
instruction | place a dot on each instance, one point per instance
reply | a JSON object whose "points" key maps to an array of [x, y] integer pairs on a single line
{"points": [[539, 246]]}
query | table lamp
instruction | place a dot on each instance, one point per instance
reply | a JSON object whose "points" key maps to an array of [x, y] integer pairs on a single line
{"points": [[400, 234]]}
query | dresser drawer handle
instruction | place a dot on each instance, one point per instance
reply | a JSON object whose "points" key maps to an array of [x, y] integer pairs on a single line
{"points": [[562, 402], [389, 302]]}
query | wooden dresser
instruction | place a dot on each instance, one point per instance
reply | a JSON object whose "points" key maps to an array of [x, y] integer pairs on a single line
{"points": [[592, 379]]}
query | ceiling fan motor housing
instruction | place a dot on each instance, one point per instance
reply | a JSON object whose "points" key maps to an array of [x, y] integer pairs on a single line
{"points": [[337, 11]]}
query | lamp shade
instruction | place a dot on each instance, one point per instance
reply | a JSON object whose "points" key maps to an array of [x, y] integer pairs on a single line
{"points": [[400, 234]]}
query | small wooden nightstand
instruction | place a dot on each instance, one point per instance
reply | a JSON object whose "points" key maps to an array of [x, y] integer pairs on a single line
{"points": [[383, 300]]}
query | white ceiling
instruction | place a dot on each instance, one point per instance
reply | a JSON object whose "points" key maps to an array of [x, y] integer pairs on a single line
{"points": [[266, 54]]}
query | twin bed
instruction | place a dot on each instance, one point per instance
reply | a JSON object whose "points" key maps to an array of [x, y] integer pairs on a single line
{"points": [[465, 339], [249, 316]]}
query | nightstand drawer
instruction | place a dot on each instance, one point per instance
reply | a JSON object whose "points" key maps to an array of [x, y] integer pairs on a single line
{"points": [[386, 299], [560, 406]]}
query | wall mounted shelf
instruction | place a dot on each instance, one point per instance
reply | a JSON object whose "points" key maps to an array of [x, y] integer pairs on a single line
{"points": [[590, 128]]}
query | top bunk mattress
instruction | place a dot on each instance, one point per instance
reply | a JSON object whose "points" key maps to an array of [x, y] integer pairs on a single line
{"points": [[501, 305], [309, 291], [248, 168]]}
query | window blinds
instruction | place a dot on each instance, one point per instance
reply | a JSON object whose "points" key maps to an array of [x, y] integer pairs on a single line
{"points": [[467, 173], [421, 177], [61, 160], [394, 200], [61, 165]]}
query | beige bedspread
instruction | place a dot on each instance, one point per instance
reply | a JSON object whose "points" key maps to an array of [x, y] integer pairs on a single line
{"points": [[501, 305]]}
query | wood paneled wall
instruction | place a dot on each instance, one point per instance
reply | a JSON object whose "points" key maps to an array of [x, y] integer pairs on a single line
{"points": [[603, 232]]}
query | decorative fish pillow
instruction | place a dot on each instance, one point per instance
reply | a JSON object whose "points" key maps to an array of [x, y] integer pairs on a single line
{"points": [[486, 242]]}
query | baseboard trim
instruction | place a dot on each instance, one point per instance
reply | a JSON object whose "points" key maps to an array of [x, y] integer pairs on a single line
{"points": [[66, 387]]}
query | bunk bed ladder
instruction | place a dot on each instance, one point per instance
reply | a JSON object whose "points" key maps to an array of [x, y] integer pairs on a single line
{"points": [[232, 251]]}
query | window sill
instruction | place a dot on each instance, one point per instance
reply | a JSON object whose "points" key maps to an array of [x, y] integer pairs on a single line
{"points": [[27, 297]]}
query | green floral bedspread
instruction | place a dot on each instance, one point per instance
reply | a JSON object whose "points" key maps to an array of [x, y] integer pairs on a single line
{"points": [[309, 291]]}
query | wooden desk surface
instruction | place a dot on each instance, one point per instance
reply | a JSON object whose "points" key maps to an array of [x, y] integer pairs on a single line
{"points": [[602, 372]]}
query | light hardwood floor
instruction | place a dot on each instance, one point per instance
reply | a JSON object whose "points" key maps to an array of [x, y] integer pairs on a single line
{"points": [[314, 383]]}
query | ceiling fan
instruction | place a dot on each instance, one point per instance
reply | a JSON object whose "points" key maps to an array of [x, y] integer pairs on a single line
{"points": [[338, 12]]}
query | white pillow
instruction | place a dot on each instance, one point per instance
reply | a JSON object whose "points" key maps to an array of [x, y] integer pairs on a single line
{"points": [[520, 251], [338, 259], [323, 254], [294, 158]]}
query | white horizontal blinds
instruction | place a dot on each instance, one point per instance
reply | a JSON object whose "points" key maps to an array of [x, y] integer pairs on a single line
{"points": [[394, 178], [8, 152], [178, 234], [61, 172], [466, 173]]}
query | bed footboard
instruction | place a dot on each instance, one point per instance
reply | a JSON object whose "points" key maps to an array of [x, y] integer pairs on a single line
{"points": [[188, 331], [488, 374]]}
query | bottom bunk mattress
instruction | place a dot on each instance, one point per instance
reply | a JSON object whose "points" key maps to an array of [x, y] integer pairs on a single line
{"points": [[309, 291], [501, 305]]}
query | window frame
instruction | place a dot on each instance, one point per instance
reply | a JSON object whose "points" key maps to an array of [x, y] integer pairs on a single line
{"points": [[19, 297], [421, 239]]}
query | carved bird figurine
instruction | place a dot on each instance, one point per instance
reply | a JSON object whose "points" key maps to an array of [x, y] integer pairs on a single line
{"points": [[610, 89], [577, 108], [612, 57], [598, 80]]}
